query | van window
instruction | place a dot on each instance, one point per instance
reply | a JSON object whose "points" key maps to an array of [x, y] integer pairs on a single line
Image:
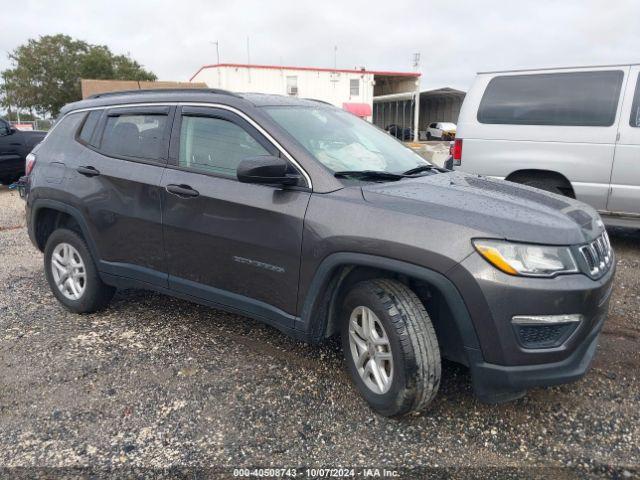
{"points": [[634, 121], [214, 145], [137, 135], [89, 126], [567, 99]]}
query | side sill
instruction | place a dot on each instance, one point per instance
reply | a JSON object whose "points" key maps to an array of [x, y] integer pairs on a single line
{"points": [[221, 300]]}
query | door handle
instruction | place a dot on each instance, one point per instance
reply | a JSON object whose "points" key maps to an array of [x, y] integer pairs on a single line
{"points": [[88, 171], [184, 191]]}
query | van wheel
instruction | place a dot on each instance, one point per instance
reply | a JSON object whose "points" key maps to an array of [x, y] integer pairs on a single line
{"points": [[72, 274], [390, 347], [547, 186]]}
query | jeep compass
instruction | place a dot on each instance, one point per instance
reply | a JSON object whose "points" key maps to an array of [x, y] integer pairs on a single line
{"points": [[316, 222]]}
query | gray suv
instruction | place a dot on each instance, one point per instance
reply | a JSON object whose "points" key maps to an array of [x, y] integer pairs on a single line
{"points": [[307, 218]]}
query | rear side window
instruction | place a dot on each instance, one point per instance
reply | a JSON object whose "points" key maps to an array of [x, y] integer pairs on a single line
{"points": [[137, 136], [89, 126], [567, 99], [214, 145], [634, 121]]}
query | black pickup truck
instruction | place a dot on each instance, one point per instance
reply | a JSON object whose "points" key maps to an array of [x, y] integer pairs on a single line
{"points": [[15, 145]]}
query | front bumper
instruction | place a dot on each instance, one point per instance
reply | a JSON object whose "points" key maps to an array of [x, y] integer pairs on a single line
{"points": [[498, 383], [502, 368]]}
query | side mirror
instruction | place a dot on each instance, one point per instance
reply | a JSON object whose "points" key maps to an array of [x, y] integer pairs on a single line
{"points": [[5, 130], [266, 169]]}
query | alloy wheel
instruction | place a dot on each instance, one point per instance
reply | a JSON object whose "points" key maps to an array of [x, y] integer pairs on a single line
{"points": [[371, 350], [68, 270]]}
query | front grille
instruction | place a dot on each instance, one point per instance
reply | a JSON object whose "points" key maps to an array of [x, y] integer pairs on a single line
{"points": [[598, 255]]}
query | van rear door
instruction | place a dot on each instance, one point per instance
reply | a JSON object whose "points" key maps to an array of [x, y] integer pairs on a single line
{"points": [[624, 195]]}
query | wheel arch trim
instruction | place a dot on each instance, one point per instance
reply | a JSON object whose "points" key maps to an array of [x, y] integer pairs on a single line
{"points": [[308, 320], [43, 203]]}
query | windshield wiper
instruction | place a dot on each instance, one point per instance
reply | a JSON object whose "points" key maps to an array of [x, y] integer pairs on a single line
{"points": [[369, 175], [423, 168]]}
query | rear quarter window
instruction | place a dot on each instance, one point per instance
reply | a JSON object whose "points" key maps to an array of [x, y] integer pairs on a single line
{"points": [[563, 99], [60, 138], [89, 125]]}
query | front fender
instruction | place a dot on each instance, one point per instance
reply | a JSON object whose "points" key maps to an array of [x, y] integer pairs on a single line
{"points": [[312, 323]]}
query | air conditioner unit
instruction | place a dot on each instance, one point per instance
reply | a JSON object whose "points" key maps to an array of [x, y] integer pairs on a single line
{"points": [[291, 90]]}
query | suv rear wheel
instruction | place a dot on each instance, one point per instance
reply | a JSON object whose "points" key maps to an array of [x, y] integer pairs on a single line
{"points": [[72, 275], [390, 347]]}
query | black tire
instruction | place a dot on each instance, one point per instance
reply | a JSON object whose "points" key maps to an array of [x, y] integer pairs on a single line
{"points": [[546, 185], [429, 136], [8, 180], [413, 343], [97, 294]]}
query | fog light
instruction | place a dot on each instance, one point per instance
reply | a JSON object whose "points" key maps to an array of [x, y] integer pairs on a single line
{"points": [[546, 319], [544, 331]]}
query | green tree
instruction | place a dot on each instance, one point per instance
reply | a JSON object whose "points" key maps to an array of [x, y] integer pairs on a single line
{"points": [[45, 73]]}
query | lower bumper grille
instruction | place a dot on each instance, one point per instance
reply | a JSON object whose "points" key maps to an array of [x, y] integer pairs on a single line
{"points": [[544, 336]]}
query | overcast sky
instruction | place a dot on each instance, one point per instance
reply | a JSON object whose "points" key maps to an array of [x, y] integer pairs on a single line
{"points": [[455, 38]]}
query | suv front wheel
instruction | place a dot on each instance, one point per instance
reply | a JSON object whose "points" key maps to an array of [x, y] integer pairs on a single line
{"points": [[390, 347], [72, 274]]}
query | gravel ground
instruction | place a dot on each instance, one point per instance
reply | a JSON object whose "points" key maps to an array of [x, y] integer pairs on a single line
{"points": [[155, 382]]}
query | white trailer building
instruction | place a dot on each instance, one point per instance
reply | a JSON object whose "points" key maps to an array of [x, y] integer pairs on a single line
{"points": [[352, 90]]}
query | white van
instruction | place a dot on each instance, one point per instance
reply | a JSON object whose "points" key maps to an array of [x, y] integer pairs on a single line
{"points": [[573, 131]]}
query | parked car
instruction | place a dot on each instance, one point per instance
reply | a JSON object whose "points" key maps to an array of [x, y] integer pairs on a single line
{"points": [[441, 131], [401, 133], [14, 147], [314, 221], [571, 131]]}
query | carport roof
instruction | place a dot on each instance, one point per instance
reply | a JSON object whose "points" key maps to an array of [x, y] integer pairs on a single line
{"points": [[444, 91]]}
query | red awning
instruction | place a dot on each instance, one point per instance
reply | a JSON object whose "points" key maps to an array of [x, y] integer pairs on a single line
{"points": [[359, 109]]}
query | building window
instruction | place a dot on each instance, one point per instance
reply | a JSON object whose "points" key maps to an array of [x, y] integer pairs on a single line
{"points": [[354, 87], [292, 86]]}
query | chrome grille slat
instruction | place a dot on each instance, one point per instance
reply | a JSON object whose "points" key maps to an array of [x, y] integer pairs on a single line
{"points": [[597, 255]]}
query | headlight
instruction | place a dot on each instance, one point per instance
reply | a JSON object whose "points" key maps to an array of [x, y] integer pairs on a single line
{"points": [[527, 260]]}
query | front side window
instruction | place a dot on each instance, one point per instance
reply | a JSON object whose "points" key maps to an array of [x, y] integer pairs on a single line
{"points": [[563, 99], [634, 121], [4, 128], [354, 87], [136, 135], [215, 145], [341, 141]]}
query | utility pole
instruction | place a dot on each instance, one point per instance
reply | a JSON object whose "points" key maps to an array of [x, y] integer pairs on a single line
{"points": [[416, 105], [248, 60], [216, 43]]}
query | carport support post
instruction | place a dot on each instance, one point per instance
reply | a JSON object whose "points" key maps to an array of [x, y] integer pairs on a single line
{"points": [[416, 113]]}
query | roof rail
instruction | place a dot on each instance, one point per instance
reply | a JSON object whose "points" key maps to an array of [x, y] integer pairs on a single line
{"points": [[164, 90]]}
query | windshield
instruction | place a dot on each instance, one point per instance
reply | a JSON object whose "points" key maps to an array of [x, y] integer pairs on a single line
{"points": [[341, 141]]}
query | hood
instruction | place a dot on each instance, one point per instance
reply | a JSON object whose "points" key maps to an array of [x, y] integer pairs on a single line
{"points": [[494, 208]]}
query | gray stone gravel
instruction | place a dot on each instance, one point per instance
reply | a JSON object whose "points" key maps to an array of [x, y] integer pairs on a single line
{"points": [[155, 382]]}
